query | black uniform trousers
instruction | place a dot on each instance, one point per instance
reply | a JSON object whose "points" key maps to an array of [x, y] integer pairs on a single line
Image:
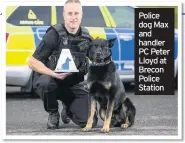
{"points": [[75, 98]]}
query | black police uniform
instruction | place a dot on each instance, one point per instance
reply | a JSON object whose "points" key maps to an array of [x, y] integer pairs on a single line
{"points": [[70, 91]]}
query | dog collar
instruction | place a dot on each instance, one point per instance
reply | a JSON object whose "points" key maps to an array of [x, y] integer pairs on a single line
{"points": [[107, 60]]}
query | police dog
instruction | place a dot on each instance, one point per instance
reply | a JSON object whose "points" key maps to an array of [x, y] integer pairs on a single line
{"points": [[105, 86]]}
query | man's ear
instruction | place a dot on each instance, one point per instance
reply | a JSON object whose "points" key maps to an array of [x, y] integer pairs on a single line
{"points": [[111, 42]]}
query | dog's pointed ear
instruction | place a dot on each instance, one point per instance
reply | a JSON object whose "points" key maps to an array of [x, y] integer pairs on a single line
{"points": [[111, 42]]}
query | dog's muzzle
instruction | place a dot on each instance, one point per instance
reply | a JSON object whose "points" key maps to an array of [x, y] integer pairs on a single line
{"points": [[99, 59]]}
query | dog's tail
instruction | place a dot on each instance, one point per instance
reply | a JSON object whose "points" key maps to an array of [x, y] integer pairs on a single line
{"points": [[131, 111]]}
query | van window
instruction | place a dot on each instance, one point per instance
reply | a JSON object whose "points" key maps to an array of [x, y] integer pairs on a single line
{"points": [[31, 16], [92, 16], [122, 15], [59, 10]]}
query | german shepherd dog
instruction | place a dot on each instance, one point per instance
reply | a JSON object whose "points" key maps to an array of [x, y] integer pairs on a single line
{"points": [[106, 87]]}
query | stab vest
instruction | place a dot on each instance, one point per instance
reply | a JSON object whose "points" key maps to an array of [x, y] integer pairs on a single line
{"points": [[70, 42]]}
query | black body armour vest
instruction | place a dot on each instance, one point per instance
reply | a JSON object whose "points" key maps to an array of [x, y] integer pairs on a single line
{"points": [[79, 56], [69, 42]]}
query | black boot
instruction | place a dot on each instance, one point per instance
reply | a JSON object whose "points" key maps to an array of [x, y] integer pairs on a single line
{"points": [[64, 116], [53, 121]]}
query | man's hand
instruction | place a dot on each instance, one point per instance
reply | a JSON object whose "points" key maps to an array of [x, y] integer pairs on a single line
{"points": [[60, 75]]}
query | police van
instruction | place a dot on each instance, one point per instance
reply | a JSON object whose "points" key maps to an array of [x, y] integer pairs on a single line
{"points": [[26, 25]]}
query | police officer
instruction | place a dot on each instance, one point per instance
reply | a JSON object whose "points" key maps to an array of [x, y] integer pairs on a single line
{"points": [[67, 87]]}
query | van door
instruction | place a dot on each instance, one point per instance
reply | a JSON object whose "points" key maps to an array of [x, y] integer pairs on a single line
{"points": [[26, 26], [122, 20]]}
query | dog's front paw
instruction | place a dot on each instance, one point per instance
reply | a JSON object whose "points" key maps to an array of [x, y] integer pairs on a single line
{"points": [[124, 126], [86, 129], [105, 129]]}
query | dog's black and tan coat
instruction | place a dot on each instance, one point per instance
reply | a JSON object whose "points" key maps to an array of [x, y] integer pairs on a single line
{"points": [[106, 87]]}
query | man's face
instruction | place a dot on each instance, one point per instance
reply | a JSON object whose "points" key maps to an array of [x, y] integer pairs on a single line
{"points": [[72, 15]]}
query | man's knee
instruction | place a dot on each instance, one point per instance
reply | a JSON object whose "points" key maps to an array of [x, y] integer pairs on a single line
{"points": [[79, 120], [82, 122], [80, 91]]}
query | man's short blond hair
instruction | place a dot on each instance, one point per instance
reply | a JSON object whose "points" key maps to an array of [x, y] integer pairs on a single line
{"points": [[72, 1]]}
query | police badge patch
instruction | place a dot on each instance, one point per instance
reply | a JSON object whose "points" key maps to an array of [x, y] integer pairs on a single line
{"points": [[65, 40]]}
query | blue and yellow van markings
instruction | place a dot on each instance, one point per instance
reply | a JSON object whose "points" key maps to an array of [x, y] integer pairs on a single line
{"points": [[10, 10], [20, 44], [17, 57], [113, 24], [127, 46], [32, 35], [53, 15], [97, 32], [107, 22], [38, 33]]}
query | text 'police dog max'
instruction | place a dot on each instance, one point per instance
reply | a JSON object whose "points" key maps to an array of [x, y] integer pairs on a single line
{"points": [[106, 87]]}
